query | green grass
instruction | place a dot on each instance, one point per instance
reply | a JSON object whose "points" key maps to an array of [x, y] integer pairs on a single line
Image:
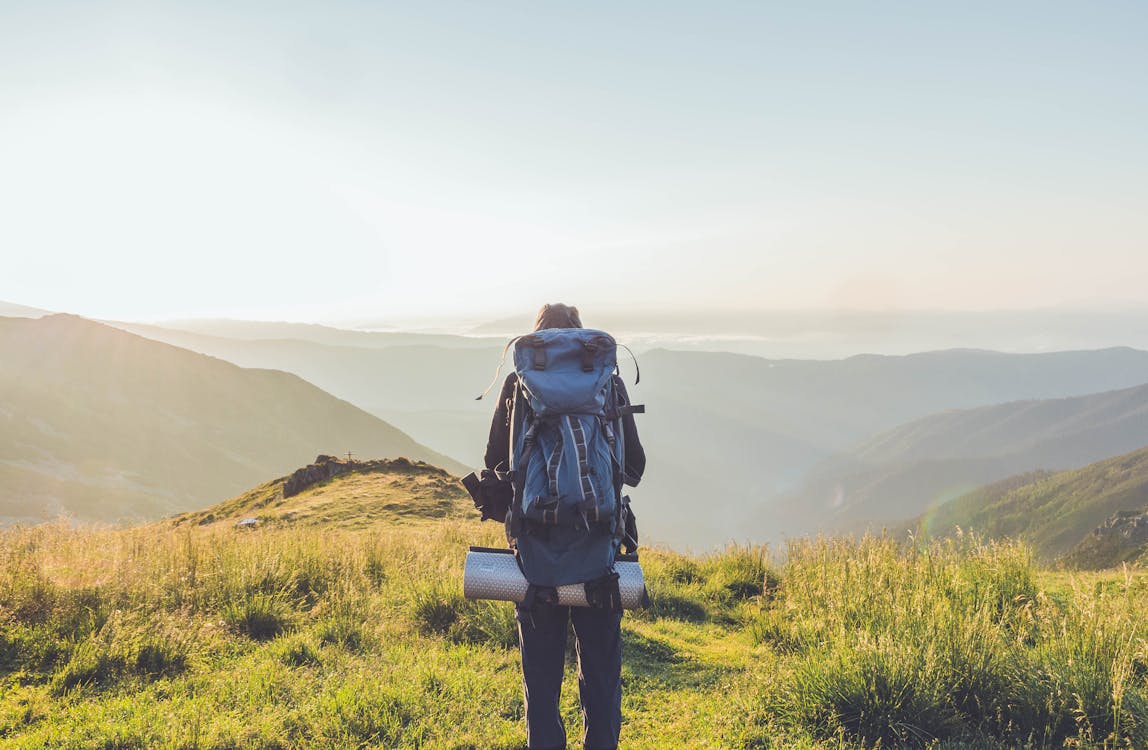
{"points": [[304, 636]]}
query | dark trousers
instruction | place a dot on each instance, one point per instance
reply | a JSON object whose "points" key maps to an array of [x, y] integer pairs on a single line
{"points": [[598, 637]]}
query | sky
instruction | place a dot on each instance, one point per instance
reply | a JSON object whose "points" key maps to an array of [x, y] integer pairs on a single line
{"points": [[373, 160]]}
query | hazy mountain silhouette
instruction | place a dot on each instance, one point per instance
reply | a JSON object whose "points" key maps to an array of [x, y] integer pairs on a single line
{"points": [[819, 334], [768, 423], [1058, 512], [104, 424], [252, 330], [427, 390], [903, 472], [726, 432], [12, 310]]}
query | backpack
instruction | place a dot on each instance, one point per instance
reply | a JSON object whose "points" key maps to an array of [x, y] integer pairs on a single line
{"points": [[567, 516]]}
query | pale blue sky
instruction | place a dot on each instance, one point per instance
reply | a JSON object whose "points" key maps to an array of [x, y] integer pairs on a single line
{"points": [[335, 160]]}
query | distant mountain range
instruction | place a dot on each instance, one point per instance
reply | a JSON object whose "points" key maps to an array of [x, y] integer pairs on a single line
{"points": [[423, 384], [1095, 516], [730, 434], [813, 334], [903, 472], [252, 330], [101, 424], [739, 447]]}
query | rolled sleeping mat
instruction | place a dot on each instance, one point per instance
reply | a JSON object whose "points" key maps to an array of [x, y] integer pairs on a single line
{"points": [[494, 574]]}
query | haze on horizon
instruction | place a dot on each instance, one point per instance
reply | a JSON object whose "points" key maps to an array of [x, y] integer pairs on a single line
{"points": [[339, 160]]}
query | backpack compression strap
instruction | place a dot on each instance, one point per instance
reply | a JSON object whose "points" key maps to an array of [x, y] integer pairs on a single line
{"points": [[589, 504]]}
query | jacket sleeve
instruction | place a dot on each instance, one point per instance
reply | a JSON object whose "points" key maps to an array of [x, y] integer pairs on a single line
{"points": [[498, 443], [635, 458]]}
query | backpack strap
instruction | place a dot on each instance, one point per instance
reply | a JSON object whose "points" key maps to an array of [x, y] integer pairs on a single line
{"points": [[498, 370], [588, 506], [554, 463], [517, 473], [637, 370]]}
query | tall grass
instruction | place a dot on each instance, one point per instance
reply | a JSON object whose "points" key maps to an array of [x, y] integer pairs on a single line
{"points": [[315, 638], [902, 646]]}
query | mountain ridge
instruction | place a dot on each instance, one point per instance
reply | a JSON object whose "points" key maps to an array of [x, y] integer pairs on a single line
{"points": [[1056, 512], [899, 473], [739, 429], [101, 424]]}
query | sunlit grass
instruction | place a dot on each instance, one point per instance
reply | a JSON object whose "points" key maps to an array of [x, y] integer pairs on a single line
{"points": [[319, 637]]}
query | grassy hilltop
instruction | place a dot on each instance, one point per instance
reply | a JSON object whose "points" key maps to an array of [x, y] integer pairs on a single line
{"points": [[318, 629]]}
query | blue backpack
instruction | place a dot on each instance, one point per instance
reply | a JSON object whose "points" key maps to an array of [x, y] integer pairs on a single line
{"points": [[566, 456]]}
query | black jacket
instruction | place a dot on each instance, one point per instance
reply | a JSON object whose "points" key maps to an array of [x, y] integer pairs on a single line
{"points": [[498, 444]]}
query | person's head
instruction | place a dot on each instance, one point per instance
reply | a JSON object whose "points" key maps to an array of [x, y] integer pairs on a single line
{"points": [[557, 315]]}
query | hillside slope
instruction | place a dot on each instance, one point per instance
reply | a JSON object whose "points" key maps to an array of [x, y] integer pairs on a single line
{"points": [[1055, 512], [745, 433], [423, 384], [903, 472], [103, 425]]}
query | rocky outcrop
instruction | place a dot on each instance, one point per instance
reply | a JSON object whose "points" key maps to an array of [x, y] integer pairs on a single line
{"points": [[323, 469], [1130, 526], [326, 467], [1122, 538]]}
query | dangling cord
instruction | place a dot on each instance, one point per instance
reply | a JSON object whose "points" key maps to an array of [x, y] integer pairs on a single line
{"points": [[498, 370], [637, 372]]}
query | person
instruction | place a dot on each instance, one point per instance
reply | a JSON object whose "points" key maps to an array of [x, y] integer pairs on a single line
{"points": [[542, 629]]}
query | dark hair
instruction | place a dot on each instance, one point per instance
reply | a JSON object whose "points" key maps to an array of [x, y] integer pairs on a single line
{"points": [[557, 315]]}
